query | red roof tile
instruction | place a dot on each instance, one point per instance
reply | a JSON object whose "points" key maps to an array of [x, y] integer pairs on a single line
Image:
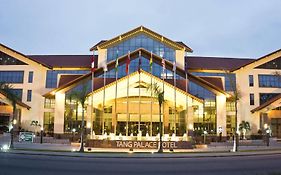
{"points": [[65, 61], [215, 63]]}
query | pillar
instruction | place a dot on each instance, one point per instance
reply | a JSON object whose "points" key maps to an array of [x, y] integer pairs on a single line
{"points": [[221, 114], [59, 113]]}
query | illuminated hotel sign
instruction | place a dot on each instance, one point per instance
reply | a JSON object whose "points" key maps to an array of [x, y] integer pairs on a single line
{"points": [[138, 144]]}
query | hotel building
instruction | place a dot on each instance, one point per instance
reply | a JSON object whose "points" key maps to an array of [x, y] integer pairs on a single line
{"points": [[199, 92]]}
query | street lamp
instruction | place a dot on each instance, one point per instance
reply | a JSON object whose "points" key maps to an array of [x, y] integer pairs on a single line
{"points": [[204, 134]]}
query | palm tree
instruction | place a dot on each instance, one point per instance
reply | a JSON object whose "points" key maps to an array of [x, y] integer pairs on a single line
{"points": [[81, 96], [159, 94], [235, 98], [244, 127], [7, 90]]}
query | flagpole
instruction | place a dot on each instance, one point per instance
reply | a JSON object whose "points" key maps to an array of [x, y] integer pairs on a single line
{"points": [[92, 104], [116, 78], [186, 90], [151, 96], [128, 71], [103, 100], [175, 94], [139, 91]]}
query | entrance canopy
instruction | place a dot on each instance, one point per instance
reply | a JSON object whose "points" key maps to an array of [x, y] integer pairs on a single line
{"points": [[133, 89]]}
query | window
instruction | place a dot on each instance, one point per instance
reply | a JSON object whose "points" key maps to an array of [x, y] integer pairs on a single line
{"points": [[251, 80], [51, 79], [252, 99], [264, 97], [274, 64], [11, 76], [18, 93], [49, 103], [141, 41], [273, 81], [29, 95], [49, 121], [30, 77], [8, 60]]}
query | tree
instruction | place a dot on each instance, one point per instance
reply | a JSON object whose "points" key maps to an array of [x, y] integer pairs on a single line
{"points": [[7, 90], [235, 98], [244, 127], [159, 94], [81, 95]]}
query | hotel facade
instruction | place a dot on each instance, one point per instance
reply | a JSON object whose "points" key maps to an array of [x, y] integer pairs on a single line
{"points": [[199, 92]]}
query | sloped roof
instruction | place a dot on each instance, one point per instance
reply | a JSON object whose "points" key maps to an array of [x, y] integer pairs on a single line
{"points": [[20, 103], [156, 59], [216, 81], [21, 54], [261, 58], [267, 103], [215, 63], [134, 32], [65, 61]]}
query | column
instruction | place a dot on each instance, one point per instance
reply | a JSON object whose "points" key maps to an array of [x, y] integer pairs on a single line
{"points": [[221, 113], [59, 113]]}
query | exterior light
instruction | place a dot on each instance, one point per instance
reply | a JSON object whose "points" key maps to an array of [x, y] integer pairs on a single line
{"points": [[265, 126], [190, 126], [88, 125], [5, 148], [42, 128], [73, 130], [14, 121]]}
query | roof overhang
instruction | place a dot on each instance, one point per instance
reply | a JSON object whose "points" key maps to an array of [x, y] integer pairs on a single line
{"points": [[19, 103], [269, 105], [20, 56], [134, 55], [261, 60], [106, 43]]}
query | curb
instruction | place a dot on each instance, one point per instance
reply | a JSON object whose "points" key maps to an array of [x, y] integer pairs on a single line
{"points": [[147, 155]]}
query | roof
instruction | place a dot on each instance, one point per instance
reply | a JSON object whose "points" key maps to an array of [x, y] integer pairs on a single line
{"points": [[19, 53], [265, 56], [267, 103], [216, 81], [215, 63], [134, 32], [64, 79], [65, 61], [18, 102], [146, 54]]}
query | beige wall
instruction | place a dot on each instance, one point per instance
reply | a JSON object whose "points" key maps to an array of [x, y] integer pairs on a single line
{"points": [[37, 87], [242, 81]]}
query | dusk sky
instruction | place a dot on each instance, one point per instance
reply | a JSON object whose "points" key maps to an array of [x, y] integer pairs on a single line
{"points": [[238, 28]]}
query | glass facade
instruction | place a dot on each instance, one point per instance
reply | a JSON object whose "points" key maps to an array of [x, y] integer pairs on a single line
{"points": [[49, 103], [230, 79], [49, 122], [205, 119], [8, 60], [264, 97], [11, 76], [141, 41], [18, 93], [273, 81], [52, 75], [274, 64]]}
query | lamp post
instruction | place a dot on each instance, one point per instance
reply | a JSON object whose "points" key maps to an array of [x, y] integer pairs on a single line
{"points": [[267, 132], [204, 134], [41, 135], [73, 131]]}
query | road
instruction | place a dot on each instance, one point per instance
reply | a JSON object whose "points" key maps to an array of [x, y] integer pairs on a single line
{"points": [[43, 165]]}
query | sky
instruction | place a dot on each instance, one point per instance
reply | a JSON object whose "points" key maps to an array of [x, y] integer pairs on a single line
{"points": [[237, 28]]}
